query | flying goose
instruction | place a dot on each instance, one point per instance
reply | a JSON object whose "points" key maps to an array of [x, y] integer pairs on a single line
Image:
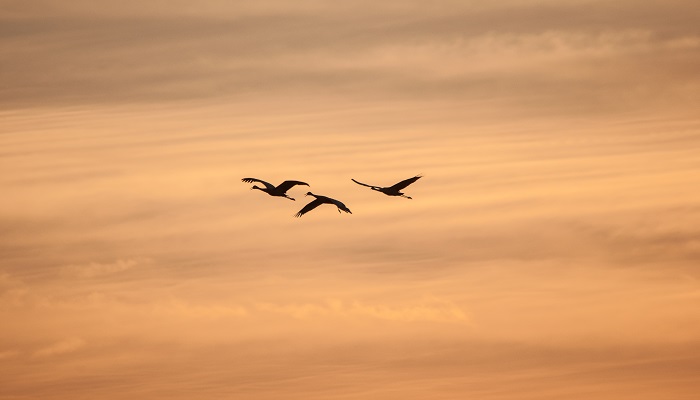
{"points": [[278, 191], [394, 190], [322, 200]]}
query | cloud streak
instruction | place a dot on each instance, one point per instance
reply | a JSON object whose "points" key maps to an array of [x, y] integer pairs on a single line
{"points": [[465, 54], [93, 269], [435, 311], [62, 347]]}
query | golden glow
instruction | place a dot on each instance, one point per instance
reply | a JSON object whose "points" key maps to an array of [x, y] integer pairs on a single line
{"points": [[551, 250]]}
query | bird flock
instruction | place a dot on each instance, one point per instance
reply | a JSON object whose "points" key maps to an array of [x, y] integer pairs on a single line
{"points": [[281, 191]]}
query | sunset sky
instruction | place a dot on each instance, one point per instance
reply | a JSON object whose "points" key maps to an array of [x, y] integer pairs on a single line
{"points": [[550, 251]]}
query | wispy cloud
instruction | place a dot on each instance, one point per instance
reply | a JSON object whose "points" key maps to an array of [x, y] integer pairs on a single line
{"points": [[379, 53], [435, 310], [93, 269], [180, 308], [551, 249], [62, 347], [8, 354]]}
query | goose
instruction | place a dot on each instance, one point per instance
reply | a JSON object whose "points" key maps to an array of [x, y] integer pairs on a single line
{"points": [[394, 190], [272, 190], [322, 200]]}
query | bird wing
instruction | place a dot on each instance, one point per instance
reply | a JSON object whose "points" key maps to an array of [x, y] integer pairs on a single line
{"points": [[308, 207], [268, 185], [286, 185], [341, 206], [364, 184], [405, 183]]}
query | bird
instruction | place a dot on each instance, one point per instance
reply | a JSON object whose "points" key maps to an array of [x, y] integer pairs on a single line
{"points": [[322, 200], [394, 190], [272, 190]]}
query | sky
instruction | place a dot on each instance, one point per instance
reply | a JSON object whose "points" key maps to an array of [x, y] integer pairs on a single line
{"points": [[550, 250]]}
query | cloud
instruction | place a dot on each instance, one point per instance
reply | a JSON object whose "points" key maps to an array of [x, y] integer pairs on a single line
{"points": [[93, 270], [8, 354], [62, 347], [538, 245], [587, 51], [434, 310], [13, 292], [662, 235], [181, 308]]}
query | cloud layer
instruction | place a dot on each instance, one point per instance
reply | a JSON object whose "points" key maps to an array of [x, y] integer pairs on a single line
{"points": [[515, 53], [550, 251]]}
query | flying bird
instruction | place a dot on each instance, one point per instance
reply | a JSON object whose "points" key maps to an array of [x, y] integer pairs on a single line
{"points": [[322, 200], [272, 190], [392, 190]]}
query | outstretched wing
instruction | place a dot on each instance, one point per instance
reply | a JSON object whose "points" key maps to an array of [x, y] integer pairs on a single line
{"points": [[286, 185], [268, 185], [405, 183], [341, 206], [308, 207], [364, 184]]}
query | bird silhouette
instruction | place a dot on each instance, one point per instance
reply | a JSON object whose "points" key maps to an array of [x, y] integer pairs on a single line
{"points": [[322, 200], [278, 191], [394, 190]]}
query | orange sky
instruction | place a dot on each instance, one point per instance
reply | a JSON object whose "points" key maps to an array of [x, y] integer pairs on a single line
{"points": [[550, 251]]}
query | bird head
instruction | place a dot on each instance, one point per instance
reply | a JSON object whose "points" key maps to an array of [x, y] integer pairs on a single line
{"points": [[309, 194], [254, 187]]}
